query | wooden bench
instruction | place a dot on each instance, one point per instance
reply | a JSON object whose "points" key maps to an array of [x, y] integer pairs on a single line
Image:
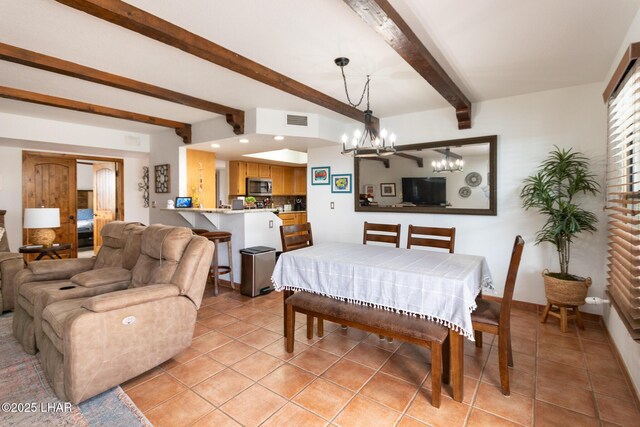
{"points": [[403, 327]]}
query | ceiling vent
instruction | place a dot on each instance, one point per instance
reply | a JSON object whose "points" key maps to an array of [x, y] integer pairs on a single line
{"points": [[295, 120]]}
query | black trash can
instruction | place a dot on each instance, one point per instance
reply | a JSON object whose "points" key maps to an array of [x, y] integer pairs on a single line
{"points": [[257, 267]]}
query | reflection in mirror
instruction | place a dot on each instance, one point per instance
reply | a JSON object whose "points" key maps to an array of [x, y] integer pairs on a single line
{"points": [[455, 176]]}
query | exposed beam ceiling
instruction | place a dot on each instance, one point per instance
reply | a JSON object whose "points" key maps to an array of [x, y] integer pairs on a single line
{"points": [[183, 130], [383, 18], [29, 58], [417, 159], [139, 21]]}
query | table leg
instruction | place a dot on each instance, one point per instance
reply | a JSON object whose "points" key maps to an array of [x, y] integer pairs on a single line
{"points": [[285, 294], [40, 255], [457, 364], [57, 255]]}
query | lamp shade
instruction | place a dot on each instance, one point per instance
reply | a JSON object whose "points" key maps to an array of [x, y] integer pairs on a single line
{"points": [[41, 218]]}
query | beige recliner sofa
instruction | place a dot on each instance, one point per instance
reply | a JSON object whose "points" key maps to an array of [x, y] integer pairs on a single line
{"points": [[10, 264], [43, 282], [93, 344]]}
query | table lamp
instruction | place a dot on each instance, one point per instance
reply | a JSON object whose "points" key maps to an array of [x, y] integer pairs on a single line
{"points": [[41, 221]]}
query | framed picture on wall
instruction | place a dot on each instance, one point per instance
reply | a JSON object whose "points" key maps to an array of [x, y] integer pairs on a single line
{"points": [[163, 184], [341, 183], [367, 189], [320, 175], [388, 189]]}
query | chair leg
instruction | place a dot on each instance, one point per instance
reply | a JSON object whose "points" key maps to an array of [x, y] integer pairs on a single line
{"points": [[446, 361], [290, 320], [545, 313], [436, 374], [578, 317], [230, 253], [509, 352], [503, 342], [215, 270], [285, 294], [320, 327], [309, 327], [477, 335]]}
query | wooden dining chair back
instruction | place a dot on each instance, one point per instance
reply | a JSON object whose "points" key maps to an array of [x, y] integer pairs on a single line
{"points": [[385, 233], [444, 238], [494, 317], [296, 236]]}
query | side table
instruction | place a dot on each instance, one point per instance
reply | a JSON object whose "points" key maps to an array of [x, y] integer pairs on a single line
{"points": [[42, 251]]}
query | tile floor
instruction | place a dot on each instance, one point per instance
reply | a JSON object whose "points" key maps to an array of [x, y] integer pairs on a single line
{"points": [[237, 373]]}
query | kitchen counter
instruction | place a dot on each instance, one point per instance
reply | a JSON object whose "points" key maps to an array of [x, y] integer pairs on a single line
{"points": [[221, 211], [289, 212]]}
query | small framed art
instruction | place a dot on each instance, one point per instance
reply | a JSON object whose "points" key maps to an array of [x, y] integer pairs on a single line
{"points": [[341, 183], [388, 189], [367, 189], [163, 185], [321, 175]]}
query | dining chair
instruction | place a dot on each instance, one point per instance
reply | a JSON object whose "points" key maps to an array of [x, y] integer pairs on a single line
{"points": [[294, 237], [386, 233], [494, 317], [446, 237]]}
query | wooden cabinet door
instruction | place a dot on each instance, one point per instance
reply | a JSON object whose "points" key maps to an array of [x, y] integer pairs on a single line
{"points": [[50, 182], [287, 179], [302, 218], [253, 170], [288, 218], [264, 170], [237, 178], [299, 181], [277, 176]]}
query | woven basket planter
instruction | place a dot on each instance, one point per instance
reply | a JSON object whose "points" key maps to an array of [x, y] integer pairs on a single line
{"points": [[565, 292]]}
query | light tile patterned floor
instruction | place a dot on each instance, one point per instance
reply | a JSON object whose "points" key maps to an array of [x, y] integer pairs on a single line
{"points": [[237, 372]]}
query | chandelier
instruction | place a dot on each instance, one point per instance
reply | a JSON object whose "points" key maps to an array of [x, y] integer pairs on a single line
{"points": [[368, 142], [448, 164]]}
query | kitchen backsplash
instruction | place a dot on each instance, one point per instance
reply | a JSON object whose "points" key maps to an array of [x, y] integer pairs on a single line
{"points": [[281, 201]]}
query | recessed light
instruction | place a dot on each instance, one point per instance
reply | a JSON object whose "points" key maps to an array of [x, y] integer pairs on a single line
{"points": [[215, 145], [278, 137], [243, 141]]}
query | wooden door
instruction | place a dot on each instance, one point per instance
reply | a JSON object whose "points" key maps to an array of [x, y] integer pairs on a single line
{"points": [[50, 181], [277, 175], [104, 199], [288, 181]]}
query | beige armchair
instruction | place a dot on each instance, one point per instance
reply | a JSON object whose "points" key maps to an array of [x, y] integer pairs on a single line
{"points": [[93, 344], [43, 282], [10, 264]]}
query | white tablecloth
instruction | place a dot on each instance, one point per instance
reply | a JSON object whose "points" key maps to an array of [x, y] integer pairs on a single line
{"points": [[438, 286]]}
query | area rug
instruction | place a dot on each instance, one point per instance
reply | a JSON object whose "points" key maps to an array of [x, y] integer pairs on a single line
{"points": [[32, 402]]}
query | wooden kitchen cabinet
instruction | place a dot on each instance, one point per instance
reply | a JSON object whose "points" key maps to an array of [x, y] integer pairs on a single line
{"points": [[293, 218], [264, 170], [237, 178], [287, 179], [253, 170], [277, 180], [299, 181]]}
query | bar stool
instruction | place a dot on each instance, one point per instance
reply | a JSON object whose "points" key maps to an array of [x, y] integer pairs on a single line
{"points": [[217, 270]]}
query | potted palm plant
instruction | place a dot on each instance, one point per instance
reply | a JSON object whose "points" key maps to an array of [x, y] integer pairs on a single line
{"points": [[562, 177]]}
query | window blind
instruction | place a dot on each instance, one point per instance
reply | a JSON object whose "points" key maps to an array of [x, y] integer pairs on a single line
{"points": [[623, 199]]}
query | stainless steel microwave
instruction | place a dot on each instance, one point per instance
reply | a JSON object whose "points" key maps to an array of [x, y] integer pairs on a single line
{"points": [[259, 187]]}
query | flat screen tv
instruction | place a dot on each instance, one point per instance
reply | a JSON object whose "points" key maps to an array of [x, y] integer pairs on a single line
{"points": [[425, 191]]}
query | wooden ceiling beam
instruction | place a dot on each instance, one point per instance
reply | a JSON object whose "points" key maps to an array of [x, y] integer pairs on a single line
{"points": [[416, 159], [384, 19], [234, 117], [183, 130], [137, 20]]}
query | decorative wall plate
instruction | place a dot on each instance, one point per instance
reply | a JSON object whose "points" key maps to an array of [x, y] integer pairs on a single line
{"points": [[473, 179], [163, 184], [464, 192]]}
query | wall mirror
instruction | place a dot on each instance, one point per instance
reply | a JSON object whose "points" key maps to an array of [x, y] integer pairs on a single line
{"points": [[456, 176]]}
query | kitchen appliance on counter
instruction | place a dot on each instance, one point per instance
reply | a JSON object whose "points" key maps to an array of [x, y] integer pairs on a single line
{"points": [[259, 187], [299, 205]]}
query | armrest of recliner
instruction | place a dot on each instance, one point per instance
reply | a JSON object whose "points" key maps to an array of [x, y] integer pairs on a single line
{"points": [[101, 277], [130, 297], [58, 269], [5, 256]]}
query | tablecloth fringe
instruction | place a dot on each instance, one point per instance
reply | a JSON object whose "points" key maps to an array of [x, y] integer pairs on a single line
{"points": [[453, 326]]}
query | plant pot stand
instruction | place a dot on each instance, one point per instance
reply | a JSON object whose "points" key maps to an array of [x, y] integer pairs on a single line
{"points": [[561, 311]]}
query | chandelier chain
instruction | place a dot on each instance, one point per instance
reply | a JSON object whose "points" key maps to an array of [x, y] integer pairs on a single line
{"points": [[364, 90]]}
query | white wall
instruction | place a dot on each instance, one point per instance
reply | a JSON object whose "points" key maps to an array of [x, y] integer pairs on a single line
{"points": [[527, 127], [628, 348]]}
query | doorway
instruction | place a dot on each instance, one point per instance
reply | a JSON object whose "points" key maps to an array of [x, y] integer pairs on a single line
{"points": [[87, 190]]}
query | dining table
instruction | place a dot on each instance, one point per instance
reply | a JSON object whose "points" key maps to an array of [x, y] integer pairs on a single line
{"points": [[436, 286]]}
